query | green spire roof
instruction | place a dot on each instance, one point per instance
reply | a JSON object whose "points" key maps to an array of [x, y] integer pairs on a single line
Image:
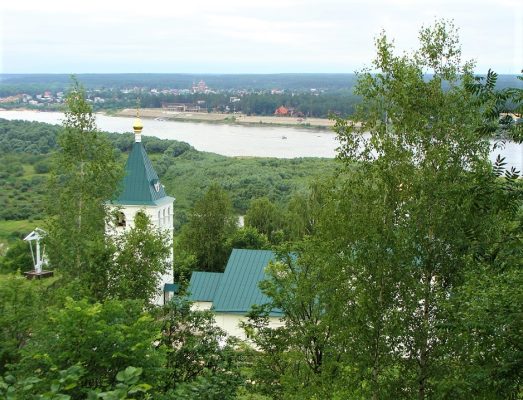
{"points": [[140, 185]]}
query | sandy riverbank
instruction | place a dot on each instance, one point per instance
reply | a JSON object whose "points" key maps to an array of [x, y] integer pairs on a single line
{"points": [[159, 113]]}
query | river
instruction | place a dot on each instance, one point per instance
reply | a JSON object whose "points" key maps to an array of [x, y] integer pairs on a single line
{"points": [[237, 140]]}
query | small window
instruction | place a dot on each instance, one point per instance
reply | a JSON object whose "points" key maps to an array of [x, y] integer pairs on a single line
{"points": [[120, 219]]}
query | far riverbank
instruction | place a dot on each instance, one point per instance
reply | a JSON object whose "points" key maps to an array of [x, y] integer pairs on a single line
{"points": [[220, 118]]}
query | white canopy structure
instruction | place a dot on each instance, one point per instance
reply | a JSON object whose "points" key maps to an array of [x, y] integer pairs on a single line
{"points": [[39, 258]]}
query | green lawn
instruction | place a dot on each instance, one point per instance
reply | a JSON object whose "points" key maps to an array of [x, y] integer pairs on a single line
{"points": [[10, 230]]}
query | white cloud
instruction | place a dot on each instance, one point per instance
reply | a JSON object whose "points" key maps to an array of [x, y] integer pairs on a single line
{"points": [[242, 36]]}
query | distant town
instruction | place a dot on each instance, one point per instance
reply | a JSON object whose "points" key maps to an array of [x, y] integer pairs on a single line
{"points": [[280, 95], [198, 98]]}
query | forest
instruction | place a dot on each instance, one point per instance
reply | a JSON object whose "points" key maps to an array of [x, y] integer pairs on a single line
{"points": [[399, 268], [12, 83], [26, 150]]}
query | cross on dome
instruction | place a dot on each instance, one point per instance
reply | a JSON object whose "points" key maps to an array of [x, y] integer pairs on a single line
{"points": [[137, 125]]}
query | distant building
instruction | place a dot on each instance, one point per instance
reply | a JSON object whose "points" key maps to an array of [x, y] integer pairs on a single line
{"points": [[282, 111], [201, 87], [181, 107], [11, 99], [231, 294]]}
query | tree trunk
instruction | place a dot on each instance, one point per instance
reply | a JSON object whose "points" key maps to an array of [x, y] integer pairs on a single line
{"points": [[423, 360]]}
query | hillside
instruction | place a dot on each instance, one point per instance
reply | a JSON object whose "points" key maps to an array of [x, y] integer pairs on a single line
{"points": [[26, 150]]}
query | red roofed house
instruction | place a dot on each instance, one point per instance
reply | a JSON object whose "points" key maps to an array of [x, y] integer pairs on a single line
{"points": [[281, 111]]}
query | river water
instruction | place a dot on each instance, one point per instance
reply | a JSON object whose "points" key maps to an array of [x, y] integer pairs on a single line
{"points": [[237, 140]]}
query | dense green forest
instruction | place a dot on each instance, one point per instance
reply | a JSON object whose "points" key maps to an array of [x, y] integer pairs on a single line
{"points": [[339, 102], [398, 273], [26, 150], [39, 82], [11, 83]]}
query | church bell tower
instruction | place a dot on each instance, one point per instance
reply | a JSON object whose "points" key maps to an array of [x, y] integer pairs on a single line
{"points": [[142, 191]]}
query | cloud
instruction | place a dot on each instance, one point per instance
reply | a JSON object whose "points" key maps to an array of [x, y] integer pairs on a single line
{"points": [[242, 36]]}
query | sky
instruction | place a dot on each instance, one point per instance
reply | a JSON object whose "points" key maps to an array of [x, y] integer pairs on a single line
{"points": [[243, 36]]}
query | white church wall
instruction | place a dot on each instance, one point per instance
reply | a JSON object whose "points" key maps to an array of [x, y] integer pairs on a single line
{"points": [[201, 305], [158, 220], [230, 323]]}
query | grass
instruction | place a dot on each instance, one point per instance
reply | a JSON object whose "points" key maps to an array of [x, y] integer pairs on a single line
{"points": [[12, 230], [7, 228]]}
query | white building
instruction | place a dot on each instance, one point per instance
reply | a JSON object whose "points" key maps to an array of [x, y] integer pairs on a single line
{"points": [[142, 191], [232, 293]]}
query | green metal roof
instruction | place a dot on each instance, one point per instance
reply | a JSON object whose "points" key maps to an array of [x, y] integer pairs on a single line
{"points": [[203, 285], [138, 185], [171, 287], [238, 290]]}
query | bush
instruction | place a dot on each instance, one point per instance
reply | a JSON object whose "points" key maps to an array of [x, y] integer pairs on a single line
{"points": [[42, 167]]}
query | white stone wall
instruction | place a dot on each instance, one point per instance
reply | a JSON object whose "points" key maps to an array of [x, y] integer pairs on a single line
{"points": [[230, 323], [201, 305], [162, 218]]}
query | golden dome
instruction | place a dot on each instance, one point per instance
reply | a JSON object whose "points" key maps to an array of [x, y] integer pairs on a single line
{"points": [[137, 125]]}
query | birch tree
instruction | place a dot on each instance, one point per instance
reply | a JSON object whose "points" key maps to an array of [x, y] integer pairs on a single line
{"points": [[84, 177]]}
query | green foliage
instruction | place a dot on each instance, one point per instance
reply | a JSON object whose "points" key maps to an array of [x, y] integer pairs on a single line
{"points": [[42, 167], [85, 174], [211, 222], [140, 259], [390, 295], [127, 385], [410, 206], [502, 108], [67, 380], [201, 360], [102, 337], [21, 305], [178, 352], [265, 217], [17, 257], [29, 138], [21, 190], [247, 238], [35, 388], [304, 209], [299, 359], [190, 175]]}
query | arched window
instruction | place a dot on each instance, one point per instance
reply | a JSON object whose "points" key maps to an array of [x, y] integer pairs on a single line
{"points": [[164, 219], [120, 219], [159, 219]]}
